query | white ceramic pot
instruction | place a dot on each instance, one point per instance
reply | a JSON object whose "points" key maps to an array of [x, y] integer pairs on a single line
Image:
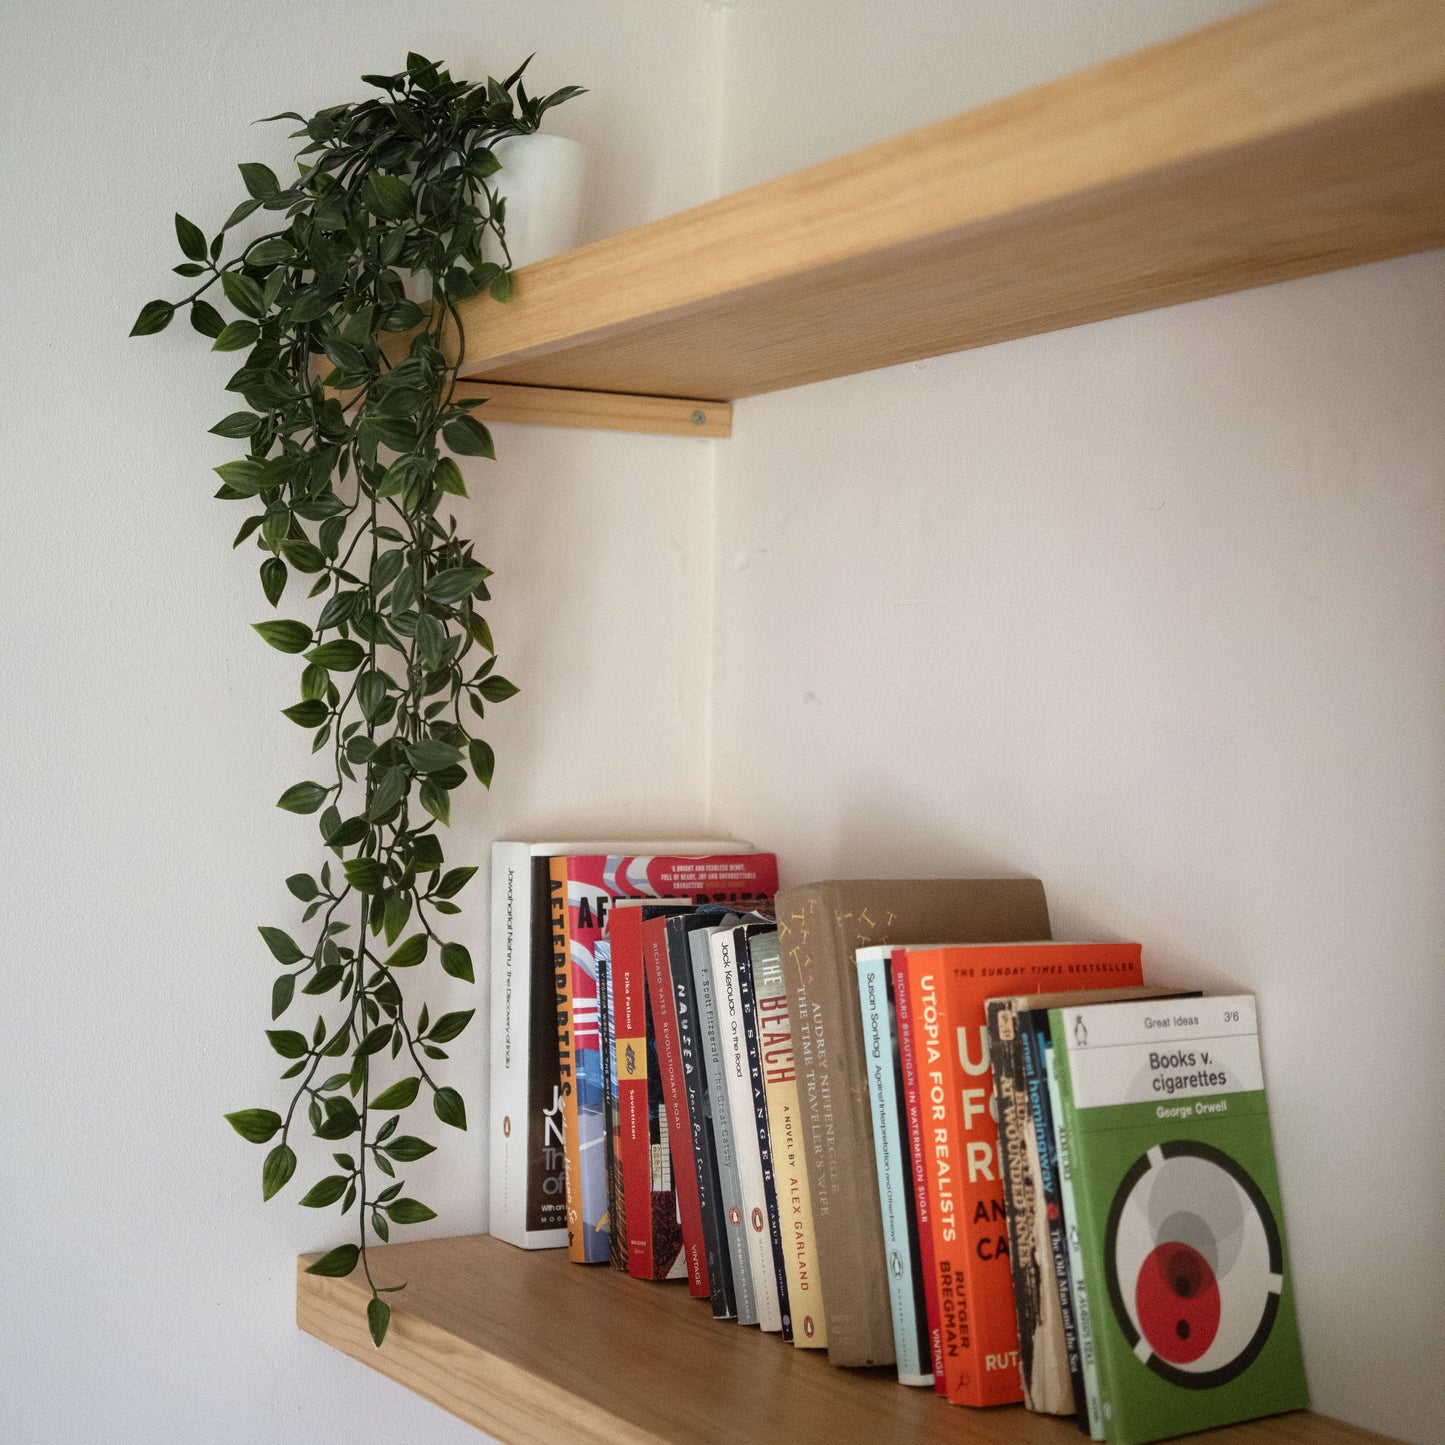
{"points": [[544, 179]]}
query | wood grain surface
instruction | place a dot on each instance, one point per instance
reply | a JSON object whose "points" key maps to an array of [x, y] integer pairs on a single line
{"points": [[536, 1351], [1302, 137]]}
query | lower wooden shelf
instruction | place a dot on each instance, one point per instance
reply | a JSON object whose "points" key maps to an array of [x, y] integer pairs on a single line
{"points": [[529, 1347]]}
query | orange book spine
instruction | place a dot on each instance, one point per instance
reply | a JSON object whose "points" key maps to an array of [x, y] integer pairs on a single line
{"points": [[981, 1361], [571, 1129], [934, 1060]]}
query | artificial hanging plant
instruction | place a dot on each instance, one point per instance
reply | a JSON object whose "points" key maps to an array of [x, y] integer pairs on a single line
{"points": [[351, 412]]}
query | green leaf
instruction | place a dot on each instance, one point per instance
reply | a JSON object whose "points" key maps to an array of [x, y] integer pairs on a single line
{"points": [[302, 555], [347, 834], [408, 954], [285, 635], [389, 792], [409, 1148], [448, 476], [433, 797], [243, 293], [260, 181], [238, 424], [257, 1125], [325, 1191], [400, 1095], [430, 756], [410, 1211], [501, 287], [302, 886], [468, 438], [273, 252], [336, 1264], [206, 319], [280, 1165], [366, 875], [288, 1043], [398, 911], [309, 714], [497, 689], [282, 992], [375, 1041], [378, 1317], [282, 945], [192, 239], [273, 584], [154, 316], [237, 336], [455, 583], [449, 1108], [484, 761], [386, 196], [457, 961], [302, 798], [324, 980], [453, 881], [448, 1026], [342, 655]]}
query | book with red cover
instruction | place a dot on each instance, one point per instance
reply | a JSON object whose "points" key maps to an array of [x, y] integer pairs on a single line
{"points": [[948, 988], [590, 884], [643, 1159]]}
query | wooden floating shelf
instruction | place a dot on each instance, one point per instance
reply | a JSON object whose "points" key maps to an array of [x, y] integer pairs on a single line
{"points": [[531, 1348], [1302, 137]]}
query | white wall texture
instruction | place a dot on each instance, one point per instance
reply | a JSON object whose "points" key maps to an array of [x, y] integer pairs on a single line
{"points": [[1152, 609]]}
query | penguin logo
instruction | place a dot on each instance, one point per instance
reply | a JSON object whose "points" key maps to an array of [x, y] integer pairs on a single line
{"points": [[1194, 1262], [1081, 1034]]}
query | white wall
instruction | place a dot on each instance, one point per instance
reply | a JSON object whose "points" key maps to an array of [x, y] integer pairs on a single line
{"points": [[149, 1294], [1151, 609]]}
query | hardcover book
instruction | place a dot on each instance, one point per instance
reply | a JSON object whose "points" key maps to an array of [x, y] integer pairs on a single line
{"points": [[820, 927], [1179, 1216], [653, 1231], [588, 884], [948, 989], [911, 1337]]}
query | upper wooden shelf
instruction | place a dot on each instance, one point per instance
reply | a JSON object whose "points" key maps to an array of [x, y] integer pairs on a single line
{"points": [[1302, 137], [532, 1348]]}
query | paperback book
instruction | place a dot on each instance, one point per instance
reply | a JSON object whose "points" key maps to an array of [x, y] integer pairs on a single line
{"points": [[1178, 1211]]}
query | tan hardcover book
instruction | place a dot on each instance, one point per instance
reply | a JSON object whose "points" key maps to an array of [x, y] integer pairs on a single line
{"points": [[820, 925]]}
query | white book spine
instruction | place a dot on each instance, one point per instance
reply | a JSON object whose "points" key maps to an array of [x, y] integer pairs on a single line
{"points": [[728, 1002]]}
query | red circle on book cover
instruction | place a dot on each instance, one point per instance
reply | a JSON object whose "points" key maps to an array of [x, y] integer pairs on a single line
{"points": [[735, 1215], [808, 1326], [506, 1126], [1177, 1297], [758, 1220]]}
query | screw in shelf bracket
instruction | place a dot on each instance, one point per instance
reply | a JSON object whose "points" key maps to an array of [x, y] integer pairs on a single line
{"points": [[698, 418]]}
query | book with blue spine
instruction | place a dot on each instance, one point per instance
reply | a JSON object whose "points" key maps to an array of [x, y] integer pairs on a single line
{"points": [[895, 1169]]}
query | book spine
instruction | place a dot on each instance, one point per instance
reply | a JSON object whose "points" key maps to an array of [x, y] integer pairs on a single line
{"points": [[752, 1040], [911, 1338], [730, 1195], [944, 1156], [795, 1206], [1033, 1029], [562, 978], [915, 1115], [727, 994], [1078, 1281], [630, 1068], [679, 1132], [616, 1216], [1043, 1351], [704, 1150]]}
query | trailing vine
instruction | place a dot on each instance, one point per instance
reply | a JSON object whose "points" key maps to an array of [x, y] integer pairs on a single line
{"points": [[352, 425]]}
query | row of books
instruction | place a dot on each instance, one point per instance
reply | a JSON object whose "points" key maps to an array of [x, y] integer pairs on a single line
{"points": [[937, 1156]]}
